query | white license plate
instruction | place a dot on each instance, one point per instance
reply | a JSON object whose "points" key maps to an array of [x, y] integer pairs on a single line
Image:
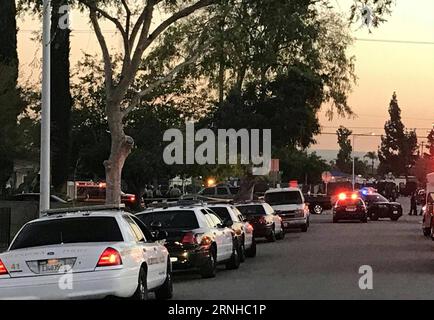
{"points": [[173, 259], [51, 266], [351, 209]]}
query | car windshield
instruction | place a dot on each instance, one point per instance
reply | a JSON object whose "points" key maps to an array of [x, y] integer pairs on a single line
{"points": [[376, 198], [284, 197], [175, 219], [252, 210], [222, 213], [70, 230]]}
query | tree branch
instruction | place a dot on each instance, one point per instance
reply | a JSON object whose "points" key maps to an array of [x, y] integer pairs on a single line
{"points": [[167, 78], [145, 41], [105, 52]]}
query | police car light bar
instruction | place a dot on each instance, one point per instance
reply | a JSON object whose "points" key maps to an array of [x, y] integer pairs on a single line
{"points": [[83, 209]]}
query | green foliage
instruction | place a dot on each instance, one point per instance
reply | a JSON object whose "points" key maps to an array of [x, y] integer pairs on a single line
{"points": [[301, 166], [398, 145], [344, 159]]}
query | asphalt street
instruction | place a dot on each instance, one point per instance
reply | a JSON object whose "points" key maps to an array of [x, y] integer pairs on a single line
{"points": [[324, 264]]}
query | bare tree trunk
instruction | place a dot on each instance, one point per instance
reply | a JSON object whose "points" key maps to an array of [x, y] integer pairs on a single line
{"points": [[247, 186], [121, 146]]}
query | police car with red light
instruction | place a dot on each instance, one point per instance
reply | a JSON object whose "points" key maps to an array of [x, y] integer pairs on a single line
{"points": [[350, 207], [89, 252]]}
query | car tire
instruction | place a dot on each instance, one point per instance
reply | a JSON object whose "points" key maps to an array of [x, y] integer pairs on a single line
{"points": [[251, 252], [335, 220], [272, 236], [209, 269], [165, 292], [426, 232], [318, 209], [364, 220], [242, 252], [394, 219], [142, 286], [234, 262], [305, 228], [281, 235], [373, 216]]}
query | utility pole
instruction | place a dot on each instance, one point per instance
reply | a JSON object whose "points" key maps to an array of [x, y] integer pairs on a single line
{"points": [[354, 163], [45, 183]]}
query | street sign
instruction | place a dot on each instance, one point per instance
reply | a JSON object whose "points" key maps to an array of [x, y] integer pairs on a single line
{"points": [[326, 177]]}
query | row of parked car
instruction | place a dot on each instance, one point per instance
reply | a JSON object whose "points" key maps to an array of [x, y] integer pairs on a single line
{"points": [[104, 251]]}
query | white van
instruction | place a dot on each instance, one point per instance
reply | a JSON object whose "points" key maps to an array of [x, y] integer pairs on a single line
{"points": [[290, 205], [428, 209]]}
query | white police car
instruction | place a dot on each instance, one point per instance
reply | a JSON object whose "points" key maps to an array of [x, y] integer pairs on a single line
{"points": [[80, 253]]}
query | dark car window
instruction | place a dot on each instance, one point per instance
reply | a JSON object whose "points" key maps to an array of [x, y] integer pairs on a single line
{"points": [[375, 198], [234, 190], [176, 219], [208, 191], [71, 230], [222, 191], [284, 197], [252, 210], [222, 212]]}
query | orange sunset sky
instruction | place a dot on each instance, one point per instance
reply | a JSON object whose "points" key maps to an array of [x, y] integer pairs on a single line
{"points": [[381, 67]]}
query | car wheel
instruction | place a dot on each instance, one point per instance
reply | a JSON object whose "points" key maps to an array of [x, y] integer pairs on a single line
{"points": [[165, 292], [272, 236], [208, 270], [364, 220], [394, 218], [142, 286], [251, 252], [426, 231], [318, 209], [234, 261], [281, 235], [304, 228], [242, 252], [373, 217], [335, 220]]}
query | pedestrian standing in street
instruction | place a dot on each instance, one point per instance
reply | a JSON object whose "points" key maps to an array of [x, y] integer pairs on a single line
{"points": [[413, 205]]}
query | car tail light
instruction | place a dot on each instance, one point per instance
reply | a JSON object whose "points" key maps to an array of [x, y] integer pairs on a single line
{"points": [[189, 238], [205, 241], [131, 198], [342, 196], [110, 257], [3, 270]]}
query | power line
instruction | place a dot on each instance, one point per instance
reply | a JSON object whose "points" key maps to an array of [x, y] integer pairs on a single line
{"points": [[372, 128], [395, 41], [363, 135]]}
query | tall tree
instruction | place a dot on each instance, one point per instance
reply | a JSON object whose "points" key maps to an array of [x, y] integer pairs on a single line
{"points": [[372, 155], [344, 159], [10, 102], [398, 145]]}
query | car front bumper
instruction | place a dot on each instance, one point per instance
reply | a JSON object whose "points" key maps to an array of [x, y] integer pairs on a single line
{"points": [[86, 285]]}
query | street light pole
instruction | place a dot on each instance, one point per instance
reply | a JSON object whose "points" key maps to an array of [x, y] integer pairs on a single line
{"points": [[45, 183], [354, 164]]}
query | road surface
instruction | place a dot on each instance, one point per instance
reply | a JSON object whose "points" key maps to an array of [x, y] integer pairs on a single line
{"points": [[324, 264]]}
